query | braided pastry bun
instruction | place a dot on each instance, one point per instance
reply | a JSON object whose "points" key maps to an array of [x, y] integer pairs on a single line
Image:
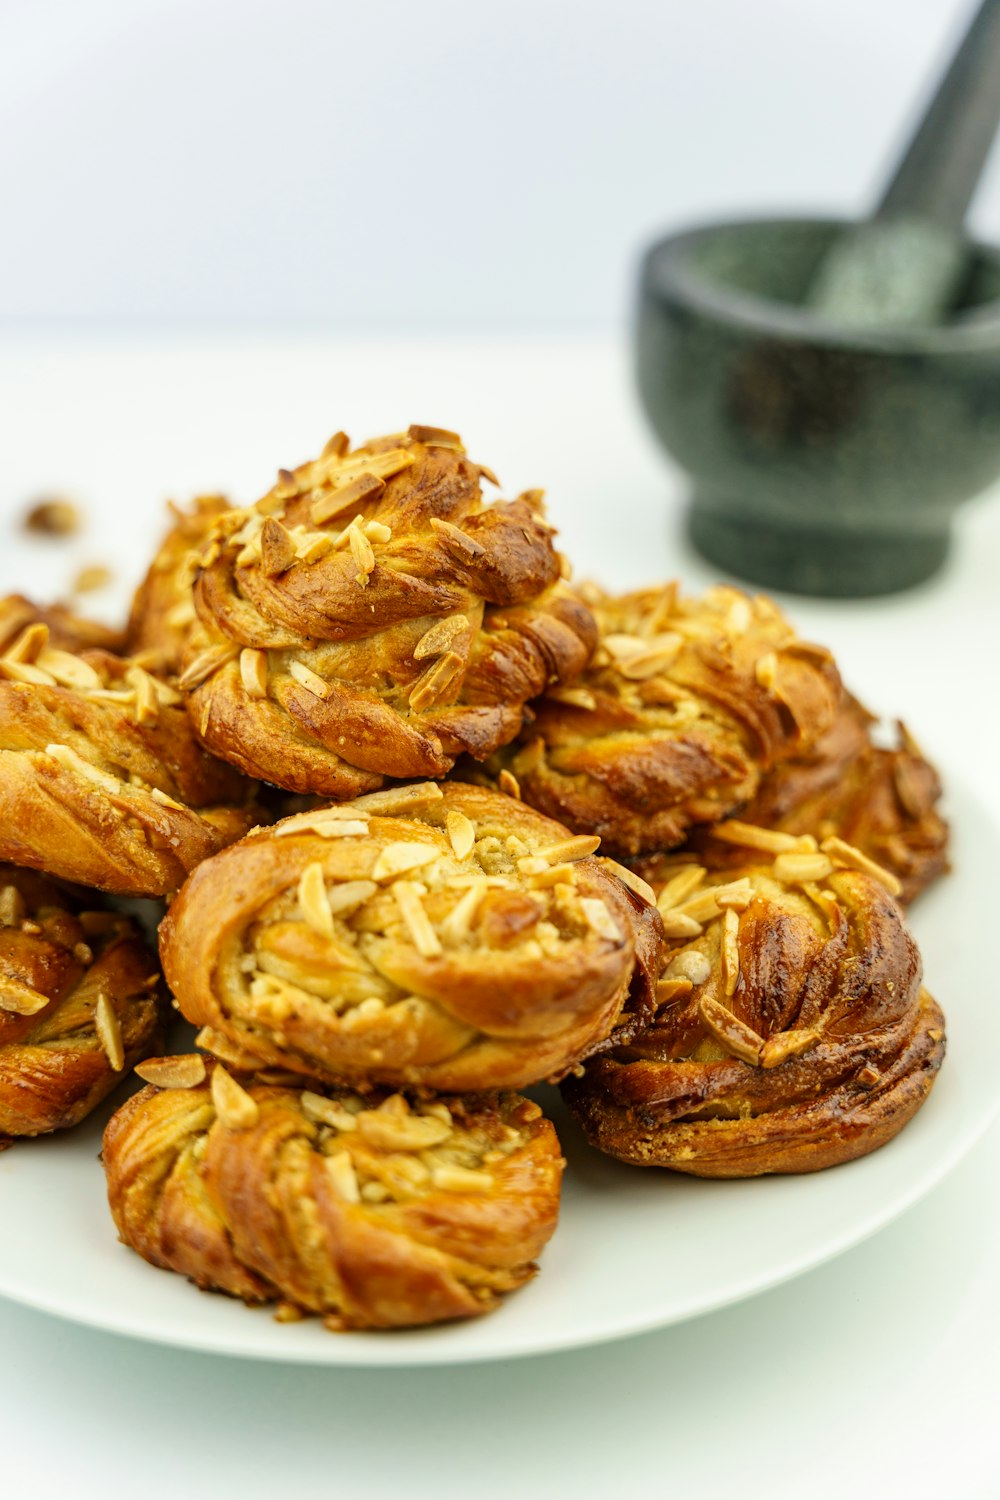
{"points": [[81, 1000], [67, 631], [446, 937], [368, 1211], [883, 801], [101, 778], [373, 617], [163, 607], [684, 707], [792, 1031]]}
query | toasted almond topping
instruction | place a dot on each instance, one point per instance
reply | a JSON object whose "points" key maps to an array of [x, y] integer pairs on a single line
{"points": [[628, 877], [356, 492], [422, 934], [93, 576], [508, 783], [660, 654], [739, 617], [702, 906], [277, 550], [29, 644], [401, 1132], [147, 704], [440, 637], [845, 854], [312, 899], [361, 551], [310, 546], [794, 868], [53, 518], [573, 697], [236, 1109], [766, 670], [253, 671], [109, 1032], [21, 998], [68, 670], [397, 858], [668, 990], [461, 833], [431, 686], [869, 1076], [377, 531], [166, 801], [599, 919], [326, 823], [457, 925], [738, 1038], [435, 437], [70, 761], [579, 846], [691, 965], [323, 1111], [730, 951], [461, 1180], [548, 875], [308, 679], [375, 1192], [183, 1072], [348, 895], [679, 887], [677, 925], [336, 446], [736, 896], [22, 671], [181, 614], [397, 799], [205, 663], [732, 831], [456, 539], [785, 1044], [343, 1178], [13, 908]]}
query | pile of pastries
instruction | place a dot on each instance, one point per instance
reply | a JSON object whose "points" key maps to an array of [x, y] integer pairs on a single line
{"points": [[434, 825]]}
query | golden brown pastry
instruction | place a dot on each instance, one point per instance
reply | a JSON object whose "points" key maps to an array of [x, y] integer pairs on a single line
{"points": [[884, 801], [67, 631], [372, 616], [81, 1000], [101, 778], [684, 707], [370, 1212], [446, 937], [792, 1031], [163, 606]]}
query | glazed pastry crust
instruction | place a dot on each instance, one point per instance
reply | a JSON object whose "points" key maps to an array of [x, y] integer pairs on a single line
{"points": [[792, 1033], [59, 952], [102, 781], [684, 707], [373, 617], [396, 1216], [882, 800], [446, 937]]}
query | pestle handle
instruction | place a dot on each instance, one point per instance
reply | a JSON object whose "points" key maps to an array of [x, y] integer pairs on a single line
{"points": [[940, 169], [905, 266]]}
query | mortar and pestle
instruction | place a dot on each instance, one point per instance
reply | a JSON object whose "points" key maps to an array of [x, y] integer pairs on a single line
{"points": [[833, 389]]}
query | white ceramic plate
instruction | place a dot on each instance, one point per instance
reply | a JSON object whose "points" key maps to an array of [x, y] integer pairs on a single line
{"points": [[636, 1249]]}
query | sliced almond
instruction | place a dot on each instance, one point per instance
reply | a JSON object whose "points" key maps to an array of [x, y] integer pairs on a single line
{"points": [[401, 856], [70, 761], [343, 1177], [418, 924], [277, 550], [599, 919], [20, 998], [323, 1111], [236, 1109], [749, 836], [109, 1032], [738, 1038], [635, 883], [312, 899], [845, 854], [308, 679], [451, 1179], [680, 886], [183, 1072], [461, 833], [441, 636], [253, 672], [794, 868]]}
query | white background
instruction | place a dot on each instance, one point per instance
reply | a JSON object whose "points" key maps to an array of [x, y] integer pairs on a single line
{"points": [[426, 162]]}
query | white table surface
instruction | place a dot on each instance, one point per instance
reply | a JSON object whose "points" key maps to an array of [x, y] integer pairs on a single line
{"points": [[878, 1372]]}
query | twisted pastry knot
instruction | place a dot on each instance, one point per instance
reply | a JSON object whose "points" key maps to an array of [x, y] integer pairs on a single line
{"points": [[792, 1031], [372, 617], [101, 778], [684, 706], [163, 610], [884, 801], [371, 1212], [80, 1001], [67, 631], [445, 937]]}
